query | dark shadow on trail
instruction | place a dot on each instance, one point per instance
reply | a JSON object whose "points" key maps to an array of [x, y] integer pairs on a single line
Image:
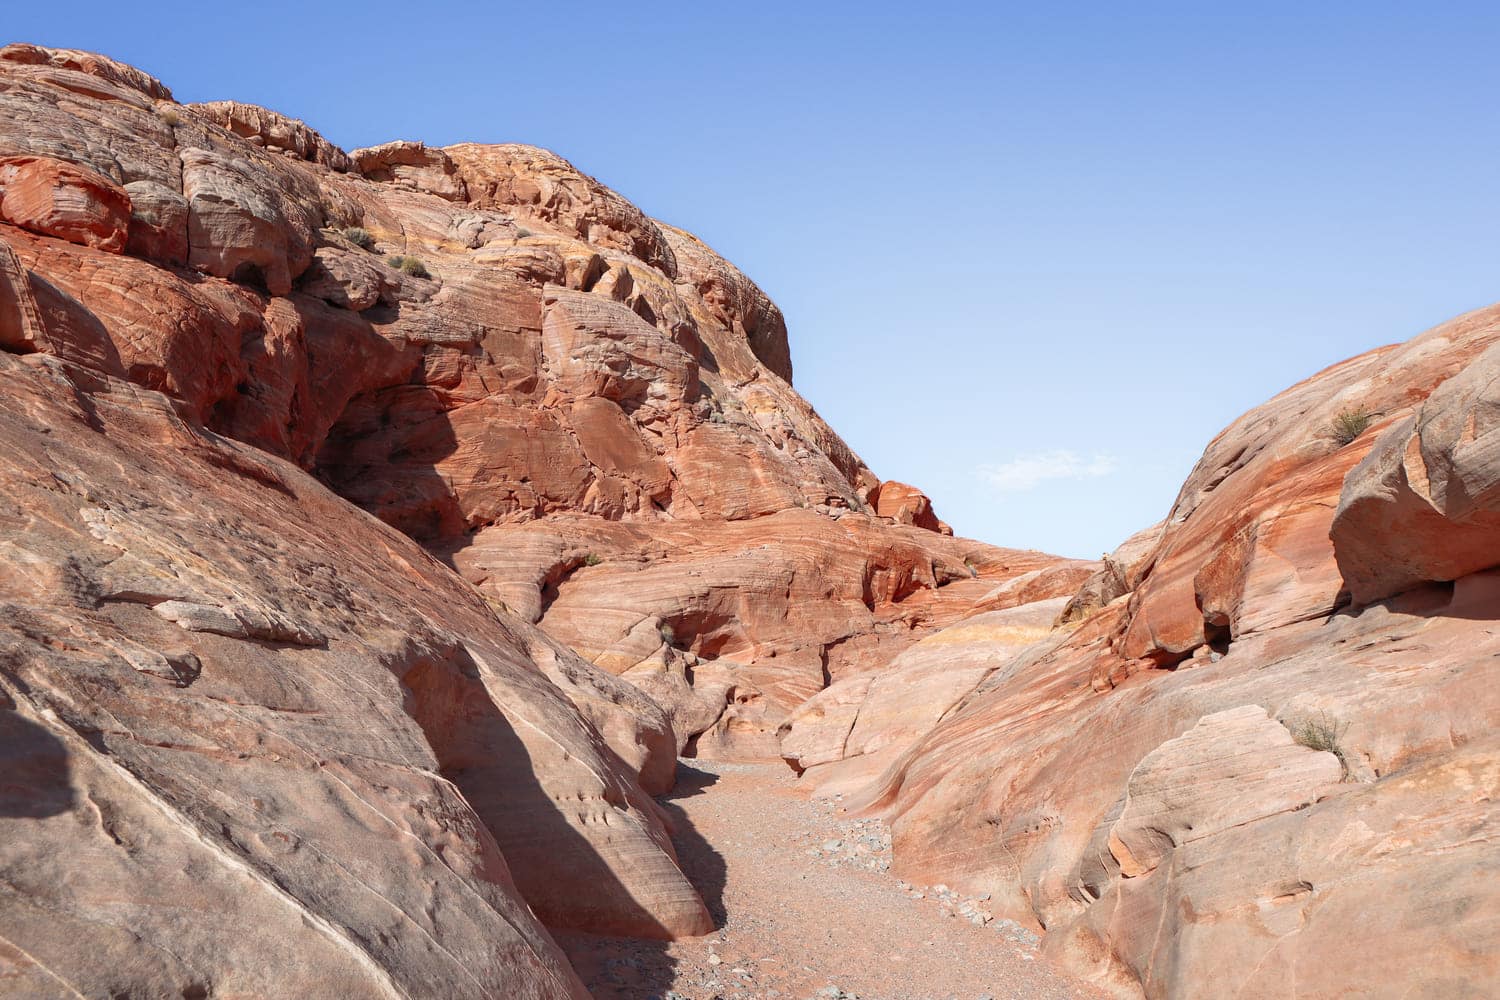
{"points": [[616, 968], [703, 866]]}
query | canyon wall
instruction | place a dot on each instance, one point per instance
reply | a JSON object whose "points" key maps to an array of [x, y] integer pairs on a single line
{"points": [[380, 525], [301, 446], [1256, 753]]}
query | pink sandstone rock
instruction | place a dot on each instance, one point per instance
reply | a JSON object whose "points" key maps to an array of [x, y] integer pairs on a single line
{"points": [[273, 131], [279, 715], [588, 416], [556, 391], [60, 199], [1424, 505], [904, 504], [1165, 826], [1247, 546]]}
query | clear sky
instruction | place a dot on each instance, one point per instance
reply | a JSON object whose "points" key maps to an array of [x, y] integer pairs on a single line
{"points": [[1033, 256]]}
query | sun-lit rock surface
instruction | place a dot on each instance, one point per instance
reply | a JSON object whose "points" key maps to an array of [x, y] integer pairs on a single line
{"points": [[207, 310], [1305, 766], [1249, 751], [1424, 505], [59, 199], [231, 704]]}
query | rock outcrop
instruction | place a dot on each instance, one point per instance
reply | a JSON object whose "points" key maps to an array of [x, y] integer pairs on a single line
{"points": [[227, 691], [1424, 505], [522, 347], [1216, 767]]}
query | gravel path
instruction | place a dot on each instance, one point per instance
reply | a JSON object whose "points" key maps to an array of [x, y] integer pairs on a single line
{"points": [[806, 911]]}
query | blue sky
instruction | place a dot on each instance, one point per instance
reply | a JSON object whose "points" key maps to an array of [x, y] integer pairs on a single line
{"points": [[1033, 257]]}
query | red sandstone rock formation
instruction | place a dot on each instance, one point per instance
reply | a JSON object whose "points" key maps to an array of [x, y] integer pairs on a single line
{"points": [[215, 666], [231, 702], [1217, 776]]}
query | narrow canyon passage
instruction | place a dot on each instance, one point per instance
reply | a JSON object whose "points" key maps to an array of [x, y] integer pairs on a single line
{"points": [[804, 910]]}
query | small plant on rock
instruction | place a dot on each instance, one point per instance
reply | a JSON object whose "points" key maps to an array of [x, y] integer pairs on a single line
{"points": [[522, 232], [668, 636], [1350, 424], [409, 265], [169, 116], [1325, 733], [359, 237], [592, 560]]}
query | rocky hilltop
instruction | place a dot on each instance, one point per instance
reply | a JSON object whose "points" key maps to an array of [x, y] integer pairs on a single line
{"points": [[381, 526]]}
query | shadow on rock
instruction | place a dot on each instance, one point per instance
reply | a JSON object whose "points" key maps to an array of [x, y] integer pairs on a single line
{"points": [[616, 968], [34, 776]]}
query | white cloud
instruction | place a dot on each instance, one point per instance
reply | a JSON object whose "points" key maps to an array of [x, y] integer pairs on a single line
{"points": [[1027, 472]]}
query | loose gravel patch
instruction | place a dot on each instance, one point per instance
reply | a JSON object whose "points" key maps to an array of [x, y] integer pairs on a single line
{"points": [[807, 910]]}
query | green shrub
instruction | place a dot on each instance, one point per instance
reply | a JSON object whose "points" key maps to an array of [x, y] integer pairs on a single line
{"points": [[409, 265], [591, 560], [522, 232], [1350, 424], [668, 636], [359, 237], [170, 116]]}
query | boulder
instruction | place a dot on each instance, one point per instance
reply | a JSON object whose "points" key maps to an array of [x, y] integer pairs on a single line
{"points": [[64, 200], [1424, 504], [239, 226], [412, 165], [905, 505]]}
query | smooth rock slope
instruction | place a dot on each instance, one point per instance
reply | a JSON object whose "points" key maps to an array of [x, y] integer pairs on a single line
{"points": [[1257, 756]]}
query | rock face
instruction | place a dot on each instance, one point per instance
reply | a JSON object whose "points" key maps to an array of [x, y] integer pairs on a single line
{"points": [[378, 528], [1302, 765], [232, 701], [1424, 505], [59, 199], [270, 711]]}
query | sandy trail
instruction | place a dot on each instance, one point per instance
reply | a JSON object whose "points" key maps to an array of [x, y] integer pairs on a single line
{"points": [[801, 916]]}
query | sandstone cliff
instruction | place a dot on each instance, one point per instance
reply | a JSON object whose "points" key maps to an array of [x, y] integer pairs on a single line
{"points": [[261, 742]]}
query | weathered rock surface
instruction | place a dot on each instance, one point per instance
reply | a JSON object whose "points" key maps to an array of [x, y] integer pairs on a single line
{"points": [[229, 692], [1305, 767], [59, 199], [1246, 547], [1232, 768], [273, 131], [906, 505], [853, 730], [762, 613], [1424, 505]]}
